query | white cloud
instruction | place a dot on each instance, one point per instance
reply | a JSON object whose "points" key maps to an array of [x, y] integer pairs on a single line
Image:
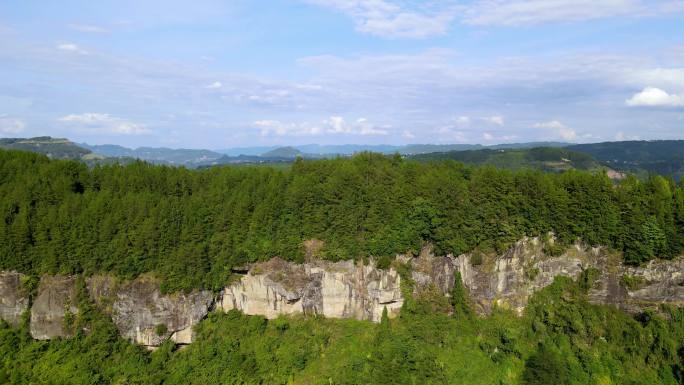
{"points": [[364, 127], [214, 85], [335, 125], [87, 28], [463, 121], [530, 12], [497, 120], [449, 133], [11, 126], [395, 19], [104, 123], [70, 47], [558, 128], [407, 134], [622, 136], [407, 19], [487, 136], [655, 97], [67, 47], [277, 128], [338, 125]]}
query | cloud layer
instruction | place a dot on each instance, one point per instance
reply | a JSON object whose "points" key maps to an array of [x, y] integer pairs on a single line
{"points": [[221, 74], [104, 124], [417, 19]]}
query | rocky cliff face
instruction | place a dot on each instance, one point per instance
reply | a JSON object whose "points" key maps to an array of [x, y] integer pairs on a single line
{"points": [[335, 290], [51, 310], [635, 289], [509, 280], [14, 300], [343, 290], [143, 315]]}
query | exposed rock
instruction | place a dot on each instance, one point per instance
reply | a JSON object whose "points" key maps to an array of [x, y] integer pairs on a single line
{"points": [[336, 290], [14, 301], [56, 298], [660, 282], [509, 280], [142, 314], [344, 289]]}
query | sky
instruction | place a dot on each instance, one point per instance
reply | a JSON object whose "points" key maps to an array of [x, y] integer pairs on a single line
{"points": [[219, 74]]}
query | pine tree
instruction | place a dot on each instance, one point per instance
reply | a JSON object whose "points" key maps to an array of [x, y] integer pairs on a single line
{"points": [[459, 299]]}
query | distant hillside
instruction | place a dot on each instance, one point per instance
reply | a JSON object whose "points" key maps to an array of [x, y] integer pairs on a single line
{"points": [[665, 157], [542, 158], [319, 150], [56, 148], [162, 155], [282, 152]]}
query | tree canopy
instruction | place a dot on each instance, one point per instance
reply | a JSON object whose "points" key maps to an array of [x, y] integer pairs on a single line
{"points": [[190, 227]]}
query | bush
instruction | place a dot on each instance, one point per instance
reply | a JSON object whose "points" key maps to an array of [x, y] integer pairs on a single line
{"points": [[161, 330]]}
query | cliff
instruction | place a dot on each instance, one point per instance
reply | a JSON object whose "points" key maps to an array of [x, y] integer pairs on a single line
{"points": [[344, 289], [142, 314], [14, 299], [335, 290], [51, 310]]}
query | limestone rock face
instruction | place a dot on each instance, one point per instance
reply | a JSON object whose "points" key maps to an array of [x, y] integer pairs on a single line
{"points": [[348, 290], [336, 290], [13, 300], [510, 279], [56, 298], [142, 314], [660, 282], [344, 289]]}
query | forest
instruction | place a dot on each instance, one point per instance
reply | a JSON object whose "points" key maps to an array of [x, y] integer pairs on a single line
{"points": [[189, 227]]}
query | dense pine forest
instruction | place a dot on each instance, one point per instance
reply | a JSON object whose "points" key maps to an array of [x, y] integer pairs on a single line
{"points": [[189, 227]]}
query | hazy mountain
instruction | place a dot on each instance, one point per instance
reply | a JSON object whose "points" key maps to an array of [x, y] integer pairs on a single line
{"points": [[186, 157], [57, 148], [235, 151], [282, 152], [317, 150]]}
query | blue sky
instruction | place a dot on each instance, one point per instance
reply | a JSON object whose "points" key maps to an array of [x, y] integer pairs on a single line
{"points": [[218, 74]]}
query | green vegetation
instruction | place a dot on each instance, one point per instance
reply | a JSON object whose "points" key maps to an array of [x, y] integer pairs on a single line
{"points": [[160, 329], [160, 155], [539, 158], [282, 152], [561, 339], [663, 157], [189, 227], [53, 147], [633, 282]]}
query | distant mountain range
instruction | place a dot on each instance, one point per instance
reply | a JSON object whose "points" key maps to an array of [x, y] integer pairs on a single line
{"points": [[184, 157], [665, 157], [318, 150], [56, 148], [552, 159]]}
